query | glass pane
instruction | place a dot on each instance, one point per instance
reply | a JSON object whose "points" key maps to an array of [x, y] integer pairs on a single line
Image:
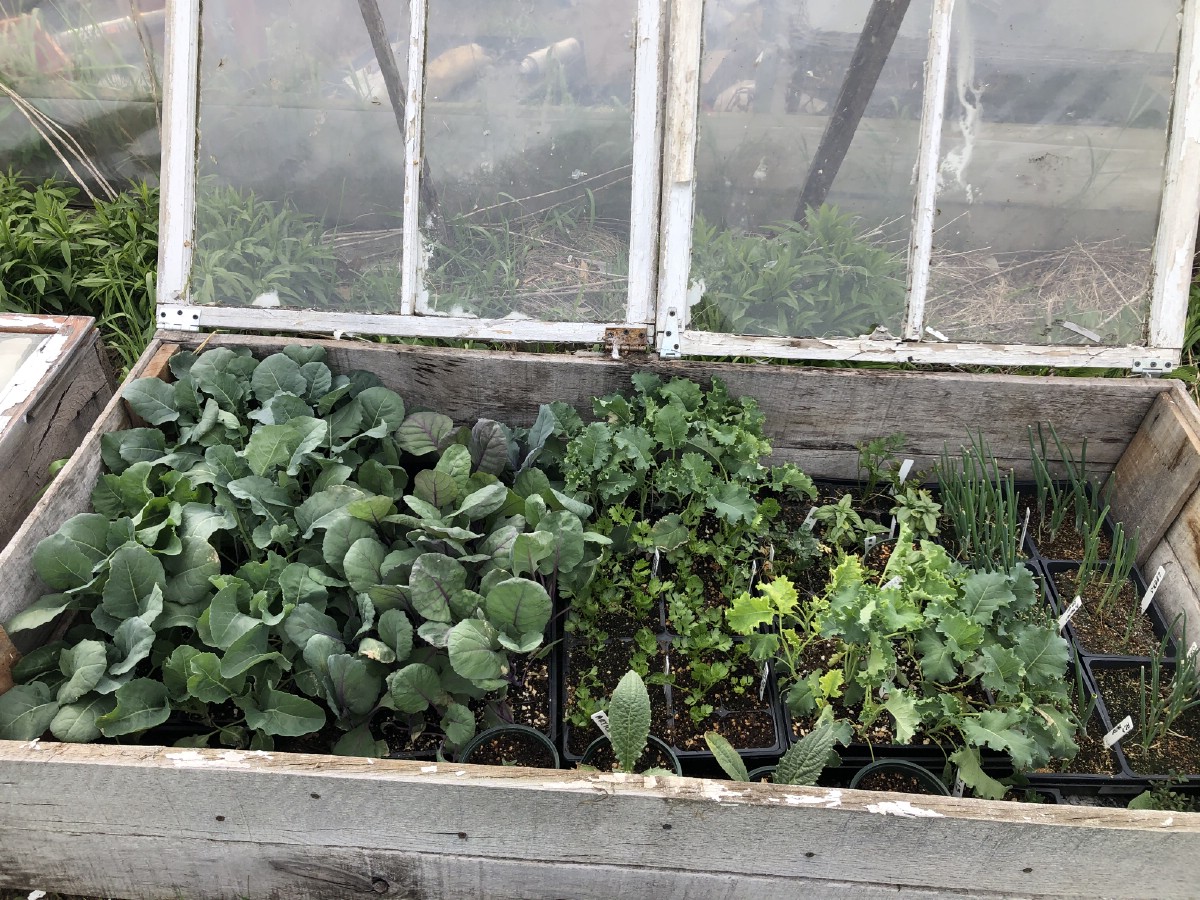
{"points": [[1051, 170], [14, 350], [528, 145], [301, 160], [770, 78], [79, 84]]}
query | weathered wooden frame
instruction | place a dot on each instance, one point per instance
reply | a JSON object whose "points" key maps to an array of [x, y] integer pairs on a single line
{"points": [[664, 136], [45, 413], [152, 822]]}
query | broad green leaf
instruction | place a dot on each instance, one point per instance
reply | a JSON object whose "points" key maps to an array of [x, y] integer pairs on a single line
{"points": [[248, 651], [727, 758], [1001, 669], [629, 720], [519, 606], [973, 776], [224, 622], [89, 532], [266, 498], [38, 662], [277, 374], [61, 564], [360, 742], [903, 709], [475, 651], [201, 521], [416, 688], [525, 643], [83, 665], [1044, 653], [670, 427], [483, 502], [434, 580], [963, 635], [806, 759], [395, 629], [733, 503], [300, 583], [153, 400], [995, 728], [175, 671], [362, 563], [338, 541], [749, 613], [318, 376], [370, 648], [283, 714], [75, 723], [374, 477], [489, 447], [122, 449], [438, 489], [142, 703], [985, 594], [307, 621], [937, 658], [133, 574], [458, 724], [188, 573], [133, 641], [272, 446], [40, 612], [669, 533], [372, 510], [424, 432], [353, 684], [321, 509], [455, 461], [206, 683], [436, 634], [383, 411], [304, 356], [530, 550], [312, 433], [26, 711]]}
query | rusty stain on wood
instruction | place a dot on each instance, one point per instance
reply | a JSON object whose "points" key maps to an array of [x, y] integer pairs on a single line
{"points": [[9, 657]]}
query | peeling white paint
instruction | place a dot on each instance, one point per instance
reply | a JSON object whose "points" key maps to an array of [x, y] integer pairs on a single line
{"points": [[715, 790], [1168, 822], [459, 774], [428, 770], [230, 759], [649, 781], [35, 744], [904, 809], [831, 800]]}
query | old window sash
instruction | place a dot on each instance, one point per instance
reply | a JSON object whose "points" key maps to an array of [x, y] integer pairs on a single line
{"points": [[1171, 272], [179, 176]]}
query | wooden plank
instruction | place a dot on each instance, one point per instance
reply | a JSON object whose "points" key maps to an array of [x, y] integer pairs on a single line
{"points": [[153, 822], [70, 493], [51, 424], [812, 414], [9, 655], [1178, 555], [1160, 469]]}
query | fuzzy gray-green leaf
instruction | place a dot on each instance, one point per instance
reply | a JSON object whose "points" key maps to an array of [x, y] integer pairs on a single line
{"points": [[629, 720]]}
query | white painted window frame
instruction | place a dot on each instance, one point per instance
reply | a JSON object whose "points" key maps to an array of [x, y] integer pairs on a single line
{"points": [[660, 264], [1171, 273], [179, 175]]}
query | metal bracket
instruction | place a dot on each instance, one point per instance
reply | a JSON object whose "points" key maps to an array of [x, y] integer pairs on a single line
{"points": [[178, 317], [671, 335], [1152, 368], [626, 340]]}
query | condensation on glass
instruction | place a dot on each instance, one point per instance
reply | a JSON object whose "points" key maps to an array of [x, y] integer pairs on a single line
{"points": [[1051, 170], [763, 263], [14, 350], [80, 86], [300, 170], [528, 125]]}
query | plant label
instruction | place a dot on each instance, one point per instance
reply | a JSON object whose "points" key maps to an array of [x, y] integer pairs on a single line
{"points": [[869, 541], [1082, 332], [1153, 588], [894, 583], [762, 687], [892, 529], [1076, 605], [936, 334], [905, 468], [810, 519], [753, 570], [1025, 527], [654, 565], [960, 786], [601, 720], [1192, 650], [1119, 731]]}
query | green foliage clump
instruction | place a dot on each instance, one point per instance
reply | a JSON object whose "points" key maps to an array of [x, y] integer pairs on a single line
{"points": [[817, 278]]}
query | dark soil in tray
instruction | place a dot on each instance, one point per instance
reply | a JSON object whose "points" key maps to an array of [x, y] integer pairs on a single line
{"points": [[742, 719], [528, 700], [900, 782], [1093, 757], [652, 758], [1179, 753], [513, 749], [1104, 631], [1067, 544], [611, 662]]}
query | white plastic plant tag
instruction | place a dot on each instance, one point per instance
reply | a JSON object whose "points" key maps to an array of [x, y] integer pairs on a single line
{"points": [[667, 667], [1076, 605], [810, 519], [960, 786], [1119, 731], [753, 570], [869, 541], [894, 583], [1082, 332], [1025, 527], [1192, 650], [654, 564], [1153, 588], [601, 720], [762, 687], [905, 468], [892, 529], [937, 335]]}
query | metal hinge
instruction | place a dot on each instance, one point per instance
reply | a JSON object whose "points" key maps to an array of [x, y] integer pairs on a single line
{"points": [[670, 346], [177, 317], [625, 339], [1151, 367]]}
